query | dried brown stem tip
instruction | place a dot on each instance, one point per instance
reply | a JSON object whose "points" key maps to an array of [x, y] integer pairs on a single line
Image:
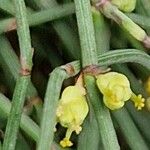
{"points": [[25, 72], [94, 70], [69, 69], [12, 25], [100, 3]]}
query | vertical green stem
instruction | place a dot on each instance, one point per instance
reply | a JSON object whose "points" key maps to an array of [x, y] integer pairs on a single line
{"points": [[26, 123], [89, 138], [89, 58], [11, 67], [24, 79], [86, 32], [15, 115], [23, 35], [101, 28], [106, 128], [49, 111], [50, 103]]}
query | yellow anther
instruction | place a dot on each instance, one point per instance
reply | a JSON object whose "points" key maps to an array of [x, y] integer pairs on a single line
{"points": [[66, 143], [138, 101]]}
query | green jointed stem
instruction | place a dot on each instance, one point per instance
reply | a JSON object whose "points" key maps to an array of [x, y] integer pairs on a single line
{"points": [[106, 128], [11, 67], [49, 109], [115, 14], [23, 35], [15, 115], [51, 14], [50, 103], [101, 28], [121, 56], [86, 32], [26, 124], [114, 58], [89, 138], [22, 83], [124, 120], [40, 17], [89, 57]]}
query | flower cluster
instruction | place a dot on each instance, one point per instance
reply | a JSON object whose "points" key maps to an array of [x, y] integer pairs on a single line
{"points": [[72, 108]]}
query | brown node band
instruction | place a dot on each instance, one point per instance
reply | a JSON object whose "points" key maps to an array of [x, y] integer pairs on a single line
{"points": [[69, 69], [100, 3], [25, 72], [94, 70]]}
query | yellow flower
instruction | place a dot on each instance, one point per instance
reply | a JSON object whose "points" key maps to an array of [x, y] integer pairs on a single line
{"points": [[71, 112], [138, 101], [147, 86], [116, 89], [125, 5]]}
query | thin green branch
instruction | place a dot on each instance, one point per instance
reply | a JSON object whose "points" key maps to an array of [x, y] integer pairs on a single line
{"points": [[15, 115], [39, 17], [106, 127], [49, 109], [26, 124], [129, 130], [24, 36], [101, 28], [89, 57], [123, 56], [51, 14], [89, 138], [7, 7], [11, 67], [112, 12], [26, 53], [50, 103], [86, 32]]}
